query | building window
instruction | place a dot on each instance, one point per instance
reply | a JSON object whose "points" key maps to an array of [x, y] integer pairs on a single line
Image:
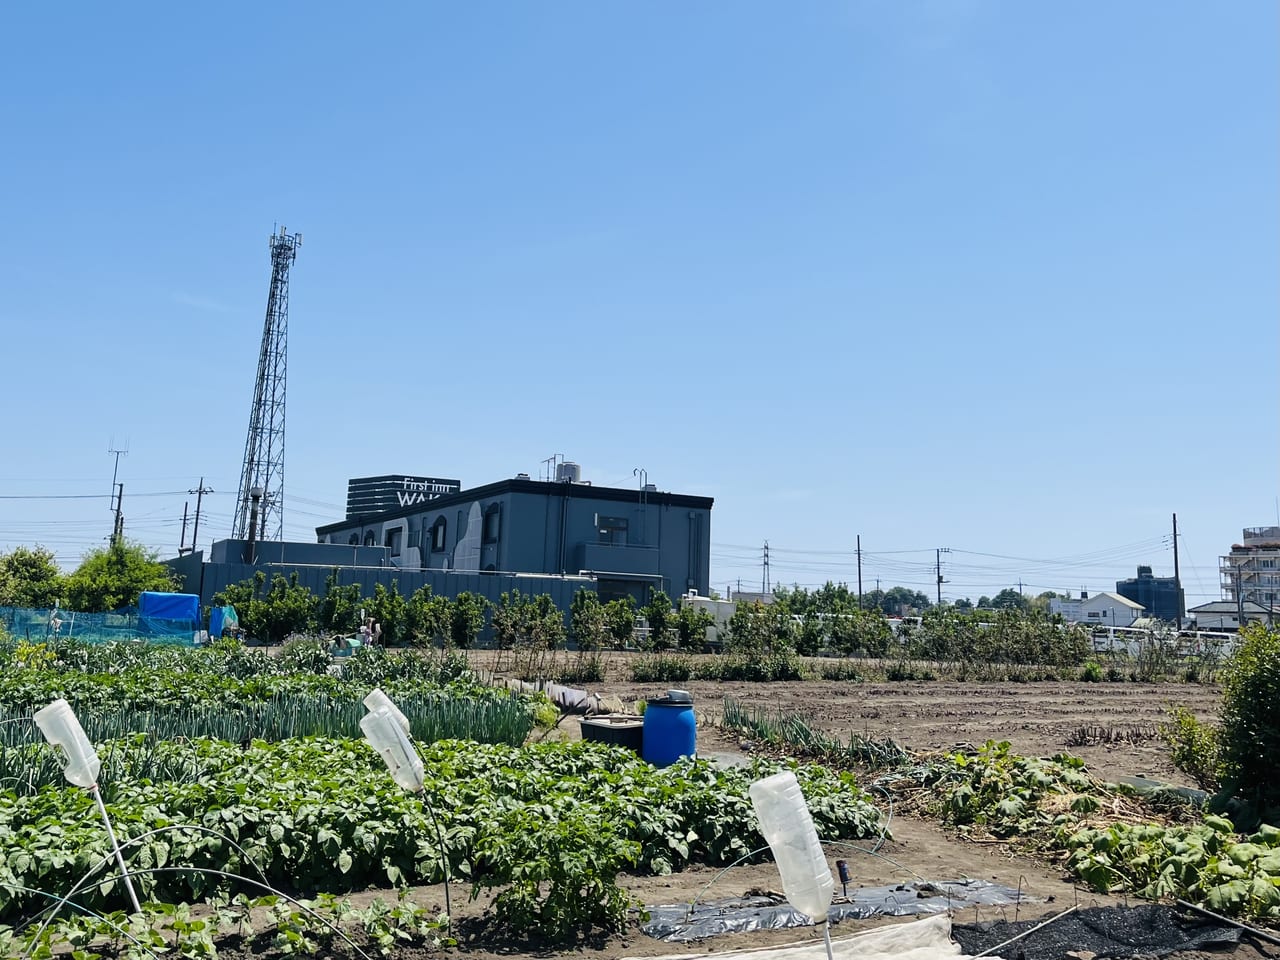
{"points": [[1094, 615], [492, 523], [354, 539], [392, 539], [370, 539], [438, 534], [612, 529]]}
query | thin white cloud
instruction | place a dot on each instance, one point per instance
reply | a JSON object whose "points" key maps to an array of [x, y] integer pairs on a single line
{"points": [[201, 303]]}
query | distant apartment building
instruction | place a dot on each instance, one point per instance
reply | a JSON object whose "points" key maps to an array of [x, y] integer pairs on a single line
{"points": [[1162, 596], [1251, 571]]}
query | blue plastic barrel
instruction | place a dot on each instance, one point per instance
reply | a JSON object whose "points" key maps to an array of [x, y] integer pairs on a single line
{"points": [[670, 730]]}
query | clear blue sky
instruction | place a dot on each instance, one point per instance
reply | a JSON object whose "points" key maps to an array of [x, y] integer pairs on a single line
{"points": [[995, 276]]}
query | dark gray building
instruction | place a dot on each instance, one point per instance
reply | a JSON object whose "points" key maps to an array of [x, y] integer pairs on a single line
{"points": [[626, 541], [1162, 596], [366, 495]]}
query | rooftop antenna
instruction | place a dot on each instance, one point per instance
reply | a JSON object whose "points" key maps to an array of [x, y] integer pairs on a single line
{"points": [[263, 469]]}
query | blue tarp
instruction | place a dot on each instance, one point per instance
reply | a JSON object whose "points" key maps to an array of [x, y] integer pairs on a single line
{"points": [[222, 618], [169, 606]]}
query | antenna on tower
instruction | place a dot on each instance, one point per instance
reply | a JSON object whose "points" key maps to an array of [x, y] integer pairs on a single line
{"points": [[263, 470]]}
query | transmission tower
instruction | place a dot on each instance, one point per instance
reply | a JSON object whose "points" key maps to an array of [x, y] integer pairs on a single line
{"points": [[262, 476]]}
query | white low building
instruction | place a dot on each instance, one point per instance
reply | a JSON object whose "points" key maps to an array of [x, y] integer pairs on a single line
{"points": [[1108, 609], [1102, 609]]}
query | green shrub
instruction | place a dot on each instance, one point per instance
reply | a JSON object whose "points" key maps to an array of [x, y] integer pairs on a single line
{"points": [[661, 668], [1092, 672], [306, 655], [841, 670], [906, 670], [587, 668], [1193, 747], [751, 668], [1251, 719]]}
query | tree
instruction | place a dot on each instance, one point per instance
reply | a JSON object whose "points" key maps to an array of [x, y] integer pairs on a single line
{"points": [[340, 606], [508, 620], [427, 617], [109, 578], [657, 613], [620, 615], [389, 611], [271, 613], [466, 619], [29, 577], [1010, 599], [587, 624], [1250, 735], [900, 601], [1041, 600], [691, 625], [757, 628]]}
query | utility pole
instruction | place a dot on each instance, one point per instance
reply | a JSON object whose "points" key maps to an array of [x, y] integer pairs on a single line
{"points": [[1019, 586], [859, 571], [938, 568], [764, 579], [1239, 600], [117, 532], [182, 542], [1177, 578], [112, 450], [199, 492]]}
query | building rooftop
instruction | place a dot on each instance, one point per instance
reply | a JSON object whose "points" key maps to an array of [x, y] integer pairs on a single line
{"points": [[540, 487]]}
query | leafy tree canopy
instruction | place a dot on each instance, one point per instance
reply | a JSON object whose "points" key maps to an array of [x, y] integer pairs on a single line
{"points": [[29, 577], [109, 578], [1010, 599]]}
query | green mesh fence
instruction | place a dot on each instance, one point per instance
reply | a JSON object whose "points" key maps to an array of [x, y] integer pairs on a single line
{"points": [[34, 625]]}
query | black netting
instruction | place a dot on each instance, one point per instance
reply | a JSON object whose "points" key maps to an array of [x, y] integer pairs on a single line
{"points": [[1149, 930]]}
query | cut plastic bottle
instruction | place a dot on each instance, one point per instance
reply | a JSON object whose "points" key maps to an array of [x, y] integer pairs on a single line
{"points": [[383, 731], [377, 700], [788, 828], [60, 727]]}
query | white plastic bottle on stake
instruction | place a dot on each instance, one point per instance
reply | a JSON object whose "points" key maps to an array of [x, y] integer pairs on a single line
{"points": [[377, 700], [787, 826], [60, 727], [385, 734]]}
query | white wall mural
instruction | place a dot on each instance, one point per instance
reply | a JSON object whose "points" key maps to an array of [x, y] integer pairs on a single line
{"points": [[466, 555]]}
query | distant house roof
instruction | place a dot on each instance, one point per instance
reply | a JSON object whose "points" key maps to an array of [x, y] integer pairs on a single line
{"points": [[1116, 599], [1228, 606]]}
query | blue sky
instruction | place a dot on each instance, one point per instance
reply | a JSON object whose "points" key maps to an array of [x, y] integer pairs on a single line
{"points": [[993, 276]]}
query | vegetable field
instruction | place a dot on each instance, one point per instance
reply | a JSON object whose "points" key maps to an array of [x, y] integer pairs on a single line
{"points": [[229, 775]]}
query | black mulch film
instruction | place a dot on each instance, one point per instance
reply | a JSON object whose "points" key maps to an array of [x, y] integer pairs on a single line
{"points": [[1150, 930], [675, 924]]}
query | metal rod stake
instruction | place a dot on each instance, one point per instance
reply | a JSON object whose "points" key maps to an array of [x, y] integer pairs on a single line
{"points": [[115, 845]]}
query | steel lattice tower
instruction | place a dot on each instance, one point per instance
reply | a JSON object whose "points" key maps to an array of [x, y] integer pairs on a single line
{"points": [[263, 470]]}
